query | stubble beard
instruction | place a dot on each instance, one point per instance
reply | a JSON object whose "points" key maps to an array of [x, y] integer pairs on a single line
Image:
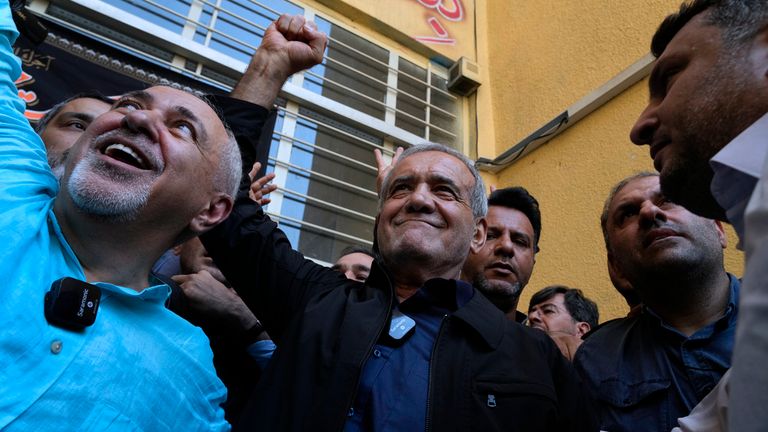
{"points": [[503, 295], [710, 125], [116, 204]]}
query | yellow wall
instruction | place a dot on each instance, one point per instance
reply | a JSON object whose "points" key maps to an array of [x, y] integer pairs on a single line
{"points": [[536, 59], [446, 27], [541, 57]]}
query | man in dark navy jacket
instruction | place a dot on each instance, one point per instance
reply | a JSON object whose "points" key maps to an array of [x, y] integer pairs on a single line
{"points": [[413, 347]]}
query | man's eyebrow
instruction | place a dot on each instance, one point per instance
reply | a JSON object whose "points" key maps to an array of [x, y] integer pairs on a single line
{"points": [[137, 94], [202, 133], [442, 179], [148, 98], [336, 267], [361, 267], [68, 115]]}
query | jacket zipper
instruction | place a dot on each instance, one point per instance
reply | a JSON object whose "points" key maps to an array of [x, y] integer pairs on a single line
{"points": [[368, 351], [432, 358]]}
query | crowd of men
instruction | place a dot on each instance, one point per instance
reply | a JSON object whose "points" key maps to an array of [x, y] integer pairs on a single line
{"points": [[147, 289]]}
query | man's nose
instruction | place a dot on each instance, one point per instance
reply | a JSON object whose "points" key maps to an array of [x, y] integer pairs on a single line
{"points": [[147, 122], [645, 126], [421, 200], [505, 246], [650, 213], [349, 274], [533, 317]]}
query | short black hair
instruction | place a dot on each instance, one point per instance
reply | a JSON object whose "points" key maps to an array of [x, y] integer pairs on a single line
{"points": [[579, 307], [356, 249], [740, 20], [56, 109], [520, 199]]}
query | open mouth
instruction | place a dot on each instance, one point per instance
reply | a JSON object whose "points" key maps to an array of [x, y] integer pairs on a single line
{"points": [[125, 155]]}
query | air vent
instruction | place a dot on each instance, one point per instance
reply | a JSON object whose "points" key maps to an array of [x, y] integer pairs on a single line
{"points": [[464, 77]]}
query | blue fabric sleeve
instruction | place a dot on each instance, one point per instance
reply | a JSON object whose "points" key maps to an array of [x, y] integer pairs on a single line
{"points": [[261, 351]]}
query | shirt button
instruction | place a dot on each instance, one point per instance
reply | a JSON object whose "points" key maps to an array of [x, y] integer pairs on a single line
{"points": [[56, 346], [376, 353]]}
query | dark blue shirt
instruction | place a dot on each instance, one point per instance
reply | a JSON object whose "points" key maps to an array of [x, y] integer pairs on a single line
{"points": [[392, 394], [645, 374]]}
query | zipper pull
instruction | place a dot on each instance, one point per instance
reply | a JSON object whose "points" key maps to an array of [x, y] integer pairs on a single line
{"points": [[492, 401]]}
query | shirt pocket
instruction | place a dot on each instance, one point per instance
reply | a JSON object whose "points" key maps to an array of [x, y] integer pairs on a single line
{"points": [[523, 406], [625, 405]]}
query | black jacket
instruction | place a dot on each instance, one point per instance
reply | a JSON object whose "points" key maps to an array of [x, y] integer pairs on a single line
{"points": [[487, 373]]}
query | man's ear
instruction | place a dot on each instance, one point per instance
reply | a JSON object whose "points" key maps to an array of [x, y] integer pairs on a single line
{"points": [[759, 52], [582, 328], [217, 210], [478, 236], [721, 234]]}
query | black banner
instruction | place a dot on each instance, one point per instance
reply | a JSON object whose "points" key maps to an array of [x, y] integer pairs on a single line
{"points": [[68, 63]]}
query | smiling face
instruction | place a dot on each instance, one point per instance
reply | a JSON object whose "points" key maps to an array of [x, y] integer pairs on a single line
{"points": [[154, 152], [651, 238], [426, 221], [505, 262], [701, 96]]}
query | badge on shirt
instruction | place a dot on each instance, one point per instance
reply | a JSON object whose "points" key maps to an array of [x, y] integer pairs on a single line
{"points": [[400, 325]]}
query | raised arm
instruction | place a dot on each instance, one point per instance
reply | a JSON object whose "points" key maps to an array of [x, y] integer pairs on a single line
{"points": [[254, 255], [24, 172], [290, 44]]}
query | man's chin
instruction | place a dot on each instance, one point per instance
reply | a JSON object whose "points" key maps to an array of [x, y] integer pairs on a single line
{"points": [[504, 295], [691, 189]]}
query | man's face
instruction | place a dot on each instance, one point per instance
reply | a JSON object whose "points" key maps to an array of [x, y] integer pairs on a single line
{"points": [[66, 127], [193, 258], [355, 266], [553, 317], [426, 218], [650, 237], [506, 260], [160, 142], [701, 97]]}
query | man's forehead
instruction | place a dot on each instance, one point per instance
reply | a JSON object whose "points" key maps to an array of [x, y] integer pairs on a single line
{"points": [[636, 189], [696, 33], [507, 217], [85, 105], [555, 300], [354, 257], [433, 164]]}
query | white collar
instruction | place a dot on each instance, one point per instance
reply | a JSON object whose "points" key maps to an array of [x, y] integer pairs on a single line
{"points": [[747, 152]]}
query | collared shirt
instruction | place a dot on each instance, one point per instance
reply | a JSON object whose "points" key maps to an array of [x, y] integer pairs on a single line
{"points": [[740, 186], [393, 390], [737, 167], [644, 372], [138, 367]]}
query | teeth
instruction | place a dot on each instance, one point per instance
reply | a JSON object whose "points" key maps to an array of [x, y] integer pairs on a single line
{"points": [[126, 150]]}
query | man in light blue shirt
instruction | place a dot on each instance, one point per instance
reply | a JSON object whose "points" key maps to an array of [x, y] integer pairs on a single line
{"points": [[155, 170]]}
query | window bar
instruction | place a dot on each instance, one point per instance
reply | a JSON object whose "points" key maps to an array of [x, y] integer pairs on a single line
{"points": [[327, 178], [323, 203], [320, 228]]}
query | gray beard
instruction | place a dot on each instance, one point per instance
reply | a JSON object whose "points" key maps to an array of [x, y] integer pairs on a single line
{"points": [[90, 198]]}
